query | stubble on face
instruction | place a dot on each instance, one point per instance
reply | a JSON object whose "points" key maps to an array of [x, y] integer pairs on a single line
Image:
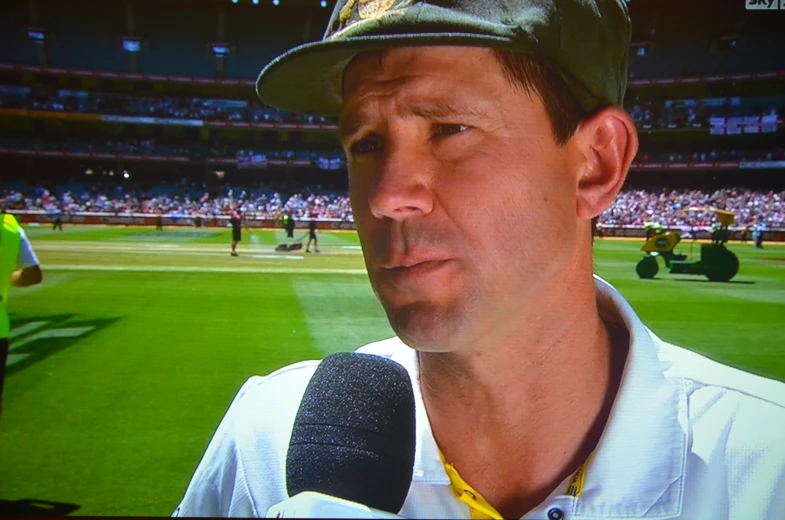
{"points": [[449, 166]]}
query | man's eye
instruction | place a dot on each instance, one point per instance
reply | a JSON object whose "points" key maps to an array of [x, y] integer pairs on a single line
{"points": [[363, 146], [449, 129]]}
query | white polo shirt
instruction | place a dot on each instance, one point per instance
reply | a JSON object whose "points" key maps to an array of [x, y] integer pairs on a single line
{"points": [[687, 438], [26, 256]]}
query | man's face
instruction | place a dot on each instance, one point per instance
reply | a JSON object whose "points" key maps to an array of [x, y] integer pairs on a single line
{"points": [[464, 204]]}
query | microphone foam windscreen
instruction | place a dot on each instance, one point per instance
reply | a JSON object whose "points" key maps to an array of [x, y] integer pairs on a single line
{"points": [[354, 434]]}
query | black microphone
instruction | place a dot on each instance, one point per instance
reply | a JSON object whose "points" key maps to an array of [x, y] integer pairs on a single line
{"points": [[354, 434]]}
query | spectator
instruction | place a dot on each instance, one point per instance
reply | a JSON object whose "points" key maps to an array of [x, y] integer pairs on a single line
{"points": [[631, 208]]}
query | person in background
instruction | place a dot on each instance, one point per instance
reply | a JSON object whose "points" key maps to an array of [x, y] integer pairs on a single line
{"points": [[236, 220], [19, 267], [312, 236], [757, 233], [599, 230], [58, 218], [289, 224]]}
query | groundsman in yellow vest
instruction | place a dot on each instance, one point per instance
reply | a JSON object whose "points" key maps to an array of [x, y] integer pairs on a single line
{"points": [[12, 270], [18, 267]]}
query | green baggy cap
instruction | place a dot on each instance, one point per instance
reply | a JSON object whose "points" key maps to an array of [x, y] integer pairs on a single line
{"points": [[587, 39]]}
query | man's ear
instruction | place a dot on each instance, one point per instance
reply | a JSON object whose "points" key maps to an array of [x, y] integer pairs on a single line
{"points": [[608, 142]]}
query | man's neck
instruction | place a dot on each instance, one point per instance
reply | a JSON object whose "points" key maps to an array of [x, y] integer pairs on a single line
{"points": [[517, 418]]}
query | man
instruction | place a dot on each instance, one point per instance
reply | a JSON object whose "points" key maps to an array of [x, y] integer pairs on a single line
{"points": [[757, 233], [58, 218], [648, 229], [236, 219], [312, 236], [289, 224], [469, 127], [18, 267], [598, 227]]}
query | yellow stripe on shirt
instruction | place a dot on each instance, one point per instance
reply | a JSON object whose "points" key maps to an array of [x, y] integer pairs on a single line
{"points": [[480, 508], [578, 480]]}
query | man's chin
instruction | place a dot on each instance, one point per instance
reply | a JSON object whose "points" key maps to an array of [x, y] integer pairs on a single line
{"points": [[427, 327]]}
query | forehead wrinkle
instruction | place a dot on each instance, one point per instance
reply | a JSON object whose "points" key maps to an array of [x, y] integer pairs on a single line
{"points": [[440, 109], [415, 101], [368, 92]]}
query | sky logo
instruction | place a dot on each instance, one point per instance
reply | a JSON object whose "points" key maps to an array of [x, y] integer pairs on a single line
{"points": [[763, 4]]}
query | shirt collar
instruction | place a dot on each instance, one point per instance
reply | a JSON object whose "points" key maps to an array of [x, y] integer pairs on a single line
{"points": [[638, 467]]}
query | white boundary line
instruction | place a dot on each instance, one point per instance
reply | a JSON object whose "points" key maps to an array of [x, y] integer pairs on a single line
{"points": [[200, 269], [147, 248]]}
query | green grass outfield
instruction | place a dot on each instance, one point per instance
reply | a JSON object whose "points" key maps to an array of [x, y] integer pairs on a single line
{"points": [[125, 359]]}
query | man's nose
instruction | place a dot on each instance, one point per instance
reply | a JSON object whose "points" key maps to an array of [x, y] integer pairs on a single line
{"points": [[404, 186]]}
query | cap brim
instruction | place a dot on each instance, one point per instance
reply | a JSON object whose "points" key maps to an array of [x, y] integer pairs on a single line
{"points": [[308, 79]]}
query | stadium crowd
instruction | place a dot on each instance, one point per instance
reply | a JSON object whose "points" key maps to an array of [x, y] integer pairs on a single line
{"points": [[631, 208], [150, 147], [261, 202], [145, 106], [665, 207], [713, 155], [689, 112], [647, 113], [219, 150]]}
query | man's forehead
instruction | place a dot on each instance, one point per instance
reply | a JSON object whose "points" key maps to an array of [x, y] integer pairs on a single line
{"points": [[417, 95], [381, 65]]}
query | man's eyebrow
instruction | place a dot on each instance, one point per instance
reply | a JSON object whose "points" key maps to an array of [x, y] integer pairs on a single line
{"points": [[428, 110], [443, 110], [347, 127]]}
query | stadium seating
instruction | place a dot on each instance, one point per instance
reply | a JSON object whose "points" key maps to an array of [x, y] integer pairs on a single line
{"points": [[760, 48], [675, 152], [176, 36], [15, 47], [660, 114], [173, 47], [86, 34], [260, 33], [633, 207], [677, 48]]}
